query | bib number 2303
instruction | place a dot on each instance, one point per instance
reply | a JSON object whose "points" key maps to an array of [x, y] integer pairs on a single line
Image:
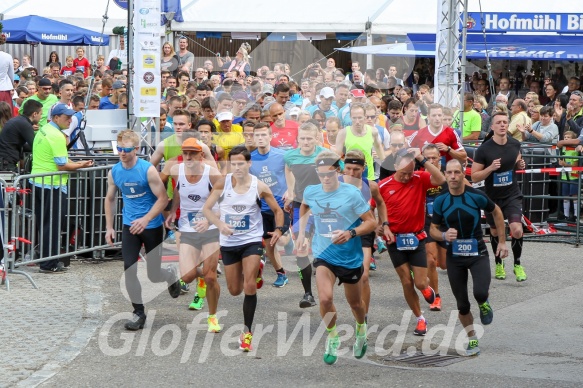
{"points": [[407, 242]]}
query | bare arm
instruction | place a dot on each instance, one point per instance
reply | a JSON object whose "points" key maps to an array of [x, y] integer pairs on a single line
{"points": [[290, 180], [158, 155], [380, 203], [479, 172], [340, 139], [459, 154], [208, 156], [108, 206], [73, 166], [472, 136], [266, 194], [377, 144]]}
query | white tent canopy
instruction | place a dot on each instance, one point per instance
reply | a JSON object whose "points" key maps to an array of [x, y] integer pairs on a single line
{"points": [[87, 13], [387, 16]]}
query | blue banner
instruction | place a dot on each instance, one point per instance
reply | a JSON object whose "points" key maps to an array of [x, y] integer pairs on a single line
{"points": [[526, 22]]}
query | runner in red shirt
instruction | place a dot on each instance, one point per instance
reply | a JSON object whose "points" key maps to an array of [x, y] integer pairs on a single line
{"points": [[445, 138], [285, 132], [404, 194]]}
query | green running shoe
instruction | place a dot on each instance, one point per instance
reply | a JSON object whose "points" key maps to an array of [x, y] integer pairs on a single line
{"points": [[197, 303], [472, 349], [500, 273], [519, 272], [184, 287], [331, 353], [486, 313], [361, 343]]}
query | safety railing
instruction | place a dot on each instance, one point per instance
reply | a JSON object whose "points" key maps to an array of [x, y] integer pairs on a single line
{"points": [[56, 216]]}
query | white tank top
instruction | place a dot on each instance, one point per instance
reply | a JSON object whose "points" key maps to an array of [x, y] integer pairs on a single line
{"points": [[242, 212], [192, 198]]}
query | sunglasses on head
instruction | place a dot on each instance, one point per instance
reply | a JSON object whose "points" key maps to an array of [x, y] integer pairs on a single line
{"points": [[127, 150]]}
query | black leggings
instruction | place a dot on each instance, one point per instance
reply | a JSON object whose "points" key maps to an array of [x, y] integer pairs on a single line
{"points": [[457, 272], [130, 250]]}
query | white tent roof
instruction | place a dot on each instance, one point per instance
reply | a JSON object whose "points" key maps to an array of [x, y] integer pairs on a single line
{"points": [[85, 13], [387, 16]]}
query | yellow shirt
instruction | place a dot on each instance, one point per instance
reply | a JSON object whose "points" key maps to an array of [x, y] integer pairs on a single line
{"points": [[228, 140], [234, 127]]}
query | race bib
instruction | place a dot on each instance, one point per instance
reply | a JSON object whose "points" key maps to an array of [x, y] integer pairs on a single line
{"points": [[328, 223], [268, 178], [502, 178], [82, 68], [239, 223], [193, 218], [407, 242], [465, 247]]}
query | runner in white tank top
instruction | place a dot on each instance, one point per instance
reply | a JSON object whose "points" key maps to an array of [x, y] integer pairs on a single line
{"points": [[241, 230], [199, 238]]}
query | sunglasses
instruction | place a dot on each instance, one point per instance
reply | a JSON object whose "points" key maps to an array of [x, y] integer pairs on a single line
{"points": [[371, 117], [328, 174], [127, 150], [398, 145]]}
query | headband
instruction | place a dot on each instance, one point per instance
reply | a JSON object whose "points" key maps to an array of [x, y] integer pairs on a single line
{"points": [[354, 161]]}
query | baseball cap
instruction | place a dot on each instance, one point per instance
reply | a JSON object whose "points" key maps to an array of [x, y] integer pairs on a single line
{"points": [[44, 82], [16, 77], [267, 89], [62, 109], [240, 95], [225, 116], [327, 92], [295, 111], [117, 85], [191, 145], [357, 93]]}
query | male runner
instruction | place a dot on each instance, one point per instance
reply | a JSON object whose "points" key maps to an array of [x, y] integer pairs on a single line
{"points": [[404, 195], [268, 165], [144, 198], [495, 162], [199, 240], [240, 224], [340, 215], [459, 210]]}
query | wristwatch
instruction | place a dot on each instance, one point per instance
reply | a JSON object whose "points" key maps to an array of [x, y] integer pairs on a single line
{"points": [[386, 223], [448, 149], [281, 229], [352, 233]]}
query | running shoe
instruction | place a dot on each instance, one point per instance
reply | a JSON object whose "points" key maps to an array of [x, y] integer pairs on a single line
{"points": [[136, 323], [170, 237], [197, 303], [331, 352], [281, 280], [184, 287], [307, 301], [436, 305], [174, 288], [361, 343], [381, 247], [486, 313], [429, 295], [472, 349], [373, 264], [519, 272], [421, 328], [260, 274], [219, 270], [245, 341], [500, 273], [214, 326], [201, 287]]}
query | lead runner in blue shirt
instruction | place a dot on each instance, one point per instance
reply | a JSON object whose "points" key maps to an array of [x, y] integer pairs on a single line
{"points": [[341, 215]]}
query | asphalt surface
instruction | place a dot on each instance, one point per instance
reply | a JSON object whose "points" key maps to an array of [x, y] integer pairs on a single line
{"points": [[70, 332]]}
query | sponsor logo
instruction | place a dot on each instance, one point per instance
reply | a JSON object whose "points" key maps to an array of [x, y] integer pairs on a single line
{"points": [[194, 197], [144, 11], [149, 61], [62, 37], [148, 77], [239, 208], [148, 91]]}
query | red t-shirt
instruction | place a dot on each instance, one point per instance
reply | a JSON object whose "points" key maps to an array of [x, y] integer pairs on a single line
{"points": [[285, 137], [406, 202], [446, 136], [66, 71], [82, 64]]}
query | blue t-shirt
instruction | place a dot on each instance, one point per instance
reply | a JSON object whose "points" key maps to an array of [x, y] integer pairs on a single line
{"points": [[104, 103], [137, 196], [336, 210], [270, 169]]}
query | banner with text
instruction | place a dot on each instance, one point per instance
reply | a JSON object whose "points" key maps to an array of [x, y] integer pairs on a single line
{"points": [[525, 22], [147, 58]]}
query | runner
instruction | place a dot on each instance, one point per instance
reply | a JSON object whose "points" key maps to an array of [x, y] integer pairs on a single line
{"points": [[353, 170], [435, 250], [199, 240], [268, 165], [404, 195], [241, 232], [341, 215], [144, 198], [459, 210], [300, 172], [495, 163]]}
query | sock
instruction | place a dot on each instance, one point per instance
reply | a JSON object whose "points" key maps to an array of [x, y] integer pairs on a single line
{"points": [[212, 315], [305, 272], [249, 306], [360, 328], [567, 207], [281, 270], [332, 332], [494, 242], [420, 317], [517, 249], [437, 295]]}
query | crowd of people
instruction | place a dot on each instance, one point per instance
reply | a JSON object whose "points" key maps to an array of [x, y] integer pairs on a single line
{"points": [[334, 165]]}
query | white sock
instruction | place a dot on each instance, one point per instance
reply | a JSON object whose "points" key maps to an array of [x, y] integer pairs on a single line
{"points": [[566, 207], [421, 317]]}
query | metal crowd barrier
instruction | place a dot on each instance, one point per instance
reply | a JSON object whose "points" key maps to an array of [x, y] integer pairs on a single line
{"points": [[78, 217]]}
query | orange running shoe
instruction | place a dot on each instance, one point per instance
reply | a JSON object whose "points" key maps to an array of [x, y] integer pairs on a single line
{"points": [[260, 275], [436, 305], [245, 341], [429, 295], [421, 327]]}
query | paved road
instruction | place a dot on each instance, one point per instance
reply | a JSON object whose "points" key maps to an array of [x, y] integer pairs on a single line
{"points": [[69, 332]]}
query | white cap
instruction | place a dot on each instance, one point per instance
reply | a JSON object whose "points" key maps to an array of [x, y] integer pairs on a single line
{"points": [[295, 111], [327, 92], [224, 116]]}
